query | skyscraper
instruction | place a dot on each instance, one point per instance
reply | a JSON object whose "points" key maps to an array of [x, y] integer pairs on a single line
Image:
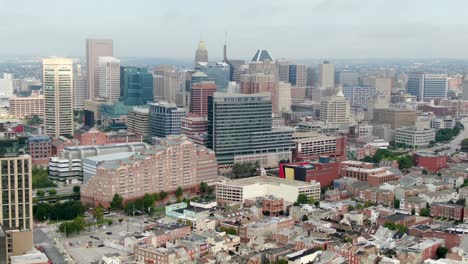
{"points": [[359, 96], [96, 48], [263, 62], [58, 96], [199, 96], [201, 54], [136, 85], [465, 87], [109, 78], [427, 85], [80, 85], [165, 119], [326, 75], [284, 97], [260, 83], [335, 109], [16, 188], [248, 134], [167, 82]]}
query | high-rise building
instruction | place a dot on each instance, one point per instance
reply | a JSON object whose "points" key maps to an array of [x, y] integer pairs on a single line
{"points": [[80, 85], [427, 85], [109, 78], [335, 109], [199, 96], [359, 96], [260, 83], [58, 96], [248, 136], [235, 69], [138, 121], [22, 107], [326, 75], [435, 86], [219, 72], [347, 78], [136, 85], [17, 214], [263, 62], [96, 48], [383, 85], [174, 162], [297, 79], [465, 87], [165, 119], [167, 82], [6, 86], [284, 97], [201, 55], [195, 127]]}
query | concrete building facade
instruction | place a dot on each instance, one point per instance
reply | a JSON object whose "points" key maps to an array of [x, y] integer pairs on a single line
{"points": [[58, 96]]}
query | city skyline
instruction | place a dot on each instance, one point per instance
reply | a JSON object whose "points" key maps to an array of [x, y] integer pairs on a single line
{"points": [[305, 29]]}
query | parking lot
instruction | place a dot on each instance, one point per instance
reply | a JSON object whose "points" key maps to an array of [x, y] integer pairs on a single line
{"points": [[89, 246]]}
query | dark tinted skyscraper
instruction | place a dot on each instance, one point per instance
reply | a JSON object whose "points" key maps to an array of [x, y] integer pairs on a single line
{"points": [[165, 119], [427, 86], [136, 85]]}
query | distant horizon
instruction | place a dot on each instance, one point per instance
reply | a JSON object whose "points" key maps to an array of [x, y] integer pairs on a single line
{"points": [[290, 29]]}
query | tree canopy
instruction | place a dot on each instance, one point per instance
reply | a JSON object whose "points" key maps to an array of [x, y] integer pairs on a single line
{"points": [[245, 169], [40, 178], [59, 211], [117, 202]]}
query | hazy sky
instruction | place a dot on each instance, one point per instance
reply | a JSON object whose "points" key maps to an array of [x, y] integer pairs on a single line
{"points": [[288, 28]]}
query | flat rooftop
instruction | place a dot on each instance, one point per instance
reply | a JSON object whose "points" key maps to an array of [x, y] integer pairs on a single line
{"points": [[265, 180]]}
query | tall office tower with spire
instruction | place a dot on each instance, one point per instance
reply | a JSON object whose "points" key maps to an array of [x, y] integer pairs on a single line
{"points": [[335, 109], [80, 85], [326, 75], [167, 82], [58, 96], [201, 55], [96, 48], [109, 78]]}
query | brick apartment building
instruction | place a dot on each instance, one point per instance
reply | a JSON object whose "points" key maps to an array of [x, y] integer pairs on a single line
{"points": [[431, 161], [449, 211]]}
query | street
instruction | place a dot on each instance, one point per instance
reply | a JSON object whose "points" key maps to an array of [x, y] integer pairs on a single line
{"points": [[41, 239]]}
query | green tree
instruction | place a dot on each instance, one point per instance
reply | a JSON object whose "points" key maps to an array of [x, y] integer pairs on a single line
{"points": [[120, 220], [156, 196], [441, 252], [148, 202], [425, 212], [130, 208], [40, 193], [302, 199], [76, 189], [110, 222], [229, 230], [203, 188], [162, 195], [413, 211], [41, 211], [179, 192], [98, 213], [40, 178], [350, 208], [368, 159], [405, 162], [396, 203], [52, 191], [425, 171], [117, 202], [305, 218]]}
